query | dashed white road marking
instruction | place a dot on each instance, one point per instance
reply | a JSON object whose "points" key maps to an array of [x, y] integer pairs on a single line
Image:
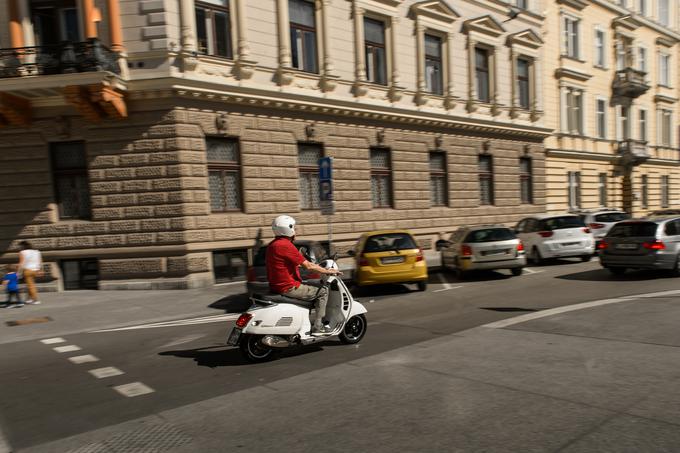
{"points": [[83, 359], [182, 340], [69, 348], [531, 271], [175, 323], [133, 389], [446, 284], [446, 289], [53, 340], [228, 284], [109, 371]]}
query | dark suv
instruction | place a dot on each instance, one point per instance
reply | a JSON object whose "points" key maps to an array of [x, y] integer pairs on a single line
{"points": [[642, 244]]}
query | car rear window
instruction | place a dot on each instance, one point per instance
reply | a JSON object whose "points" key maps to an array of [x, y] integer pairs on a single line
{"points": [[560, 223], [633, 229], [390, 241], [612, 217], [490, 235]]}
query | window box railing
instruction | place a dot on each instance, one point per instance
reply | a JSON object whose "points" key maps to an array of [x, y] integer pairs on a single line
{"points": [[64, 58]]}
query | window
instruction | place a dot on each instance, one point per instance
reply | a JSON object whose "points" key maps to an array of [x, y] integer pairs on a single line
{"points": [[574, 111], [230, 265], [574, 187], [620, 54], [601, 114], [486, 192], [224, 174], [666, 125], [644, 195], [642, 7], [482, 74], [526, 181], [438, 184], [664, 69], [303, 35], [602, 188], [80, 274], [213, 28], [642, 59], [374, 43], [71, 184], [433, 65], [381, 178], [665, 191], [600, 48], [523, 4], [664, 12], [55, 22], [308, 163], [624, 123], [642, 117], [524, 83], [570, 30]]}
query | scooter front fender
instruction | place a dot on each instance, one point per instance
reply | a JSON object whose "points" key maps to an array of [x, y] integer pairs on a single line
{"points": [[357, 309]]}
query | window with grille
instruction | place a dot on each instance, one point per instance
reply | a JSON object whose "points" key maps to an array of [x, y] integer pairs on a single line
{"points": [[602, 188], [524, 82], [574, 188], [374, 47], [526, 180], [433, 64], [213, 28], [482, 78], [439, 193], [644, 192], [308, 164], [224, 174], [71, 183], [381, 178], [485, 165], [665, 191], [303, 35]]}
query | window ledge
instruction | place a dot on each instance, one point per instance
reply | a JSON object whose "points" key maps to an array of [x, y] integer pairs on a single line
{"points": [[569, 57]]}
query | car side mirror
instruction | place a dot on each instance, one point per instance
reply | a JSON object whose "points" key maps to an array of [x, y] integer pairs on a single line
{"points": [[351, 253], [442, 244]]}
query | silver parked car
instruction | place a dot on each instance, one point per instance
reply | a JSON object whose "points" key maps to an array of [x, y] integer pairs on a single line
{"points": [[601, 221], [642, 244], [487, 247]]}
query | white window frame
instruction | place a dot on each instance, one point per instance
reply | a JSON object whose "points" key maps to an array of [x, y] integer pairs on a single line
{"points": [[665, 77], [604, 134], [569, 49], [664, 113], [620, 136], [643, 63], [581, 126], [600, 48], [643, 7], [574, 192], [643, 125], [664, 18]]}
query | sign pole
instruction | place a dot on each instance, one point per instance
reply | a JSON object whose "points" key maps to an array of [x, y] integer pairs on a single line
{"points": [[326, 202]]}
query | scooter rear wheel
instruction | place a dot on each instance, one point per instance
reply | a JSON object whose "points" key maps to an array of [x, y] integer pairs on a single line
{"points": [[354, 330], [253, 350]]}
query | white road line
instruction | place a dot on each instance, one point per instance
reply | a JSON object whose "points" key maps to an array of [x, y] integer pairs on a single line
{"points": [[229, 283], [69, 348], [109, 371], [83, 359], [555, 311], [133, 389], [178, 322], [444, 282], [182, 340], [531, 271], [446, 289], [53, 340]]}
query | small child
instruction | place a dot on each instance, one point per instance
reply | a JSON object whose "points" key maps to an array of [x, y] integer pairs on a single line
{"points": [[11, 279]]}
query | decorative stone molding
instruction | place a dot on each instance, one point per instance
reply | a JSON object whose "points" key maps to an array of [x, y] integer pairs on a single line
{"points": [[526, 44], [485, 25], [572, 74], [483, 32], [527, 38], [576, 4], [626, 23]]}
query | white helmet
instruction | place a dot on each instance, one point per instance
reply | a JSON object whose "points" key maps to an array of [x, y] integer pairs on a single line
{"points": [[284, 225]]}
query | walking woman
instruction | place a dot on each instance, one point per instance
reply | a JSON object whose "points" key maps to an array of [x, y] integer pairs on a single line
{"points": [[30, 264]]}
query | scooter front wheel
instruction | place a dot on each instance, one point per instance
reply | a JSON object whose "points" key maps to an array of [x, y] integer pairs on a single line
{"points": [[253, 350], [354, 330]]}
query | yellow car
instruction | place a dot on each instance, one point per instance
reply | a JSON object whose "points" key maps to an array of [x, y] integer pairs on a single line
{"points": [[389, 256]]}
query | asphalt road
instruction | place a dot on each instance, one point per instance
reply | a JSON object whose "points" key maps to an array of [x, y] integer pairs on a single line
{"points": [[44, 396]]}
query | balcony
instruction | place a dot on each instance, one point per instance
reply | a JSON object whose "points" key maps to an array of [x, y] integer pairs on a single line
{"points": [[630, 83], [633, 152], [64, 58]]}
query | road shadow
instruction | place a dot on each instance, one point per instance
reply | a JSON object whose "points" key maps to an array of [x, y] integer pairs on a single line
{"points": [[603, 275], [226, 356], [549, 262], [395, 289], [470, 276], [235, 303]]}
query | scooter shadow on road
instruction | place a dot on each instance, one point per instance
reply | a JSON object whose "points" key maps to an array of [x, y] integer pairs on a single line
{"points": [[224, 356], [603, 275], [235, 303]]}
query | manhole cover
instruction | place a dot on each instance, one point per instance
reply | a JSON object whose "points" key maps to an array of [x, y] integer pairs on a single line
{"points": [[23, 322]]}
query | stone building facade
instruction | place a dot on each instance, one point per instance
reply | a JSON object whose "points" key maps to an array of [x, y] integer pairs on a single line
{"points": [[158, 156], [612, 89]]}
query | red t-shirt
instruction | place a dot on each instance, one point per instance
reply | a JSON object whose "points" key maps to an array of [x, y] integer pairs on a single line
{"points": [[282, 263]]}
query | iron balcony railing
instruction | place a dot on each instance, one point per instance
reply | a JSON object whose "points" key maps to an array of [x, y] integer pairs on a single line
{"points": [[64, 58]]}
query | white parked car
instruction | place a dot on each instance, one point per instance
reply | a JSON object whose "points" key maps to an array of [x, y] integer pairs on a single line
{"points": [[601, 221], [549, 236]]}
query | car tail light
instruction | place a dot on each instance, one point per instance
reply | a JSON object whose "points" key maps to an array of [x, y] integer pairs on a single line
{"points": [[586, 230], [363, 261], [545, 234], [251, 275], [656, 245], [419, 256], [596, 226], [243, 320], [602, 245], [465, 250], [520, 247]]}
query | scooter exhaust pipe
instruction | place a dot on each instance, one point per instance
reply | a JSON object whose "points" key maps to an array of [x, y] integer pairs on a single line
{"points": [[274, 341]]}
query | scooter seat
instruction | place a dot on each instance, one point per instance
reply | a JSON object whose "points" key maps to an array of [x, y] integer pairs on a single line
{"points": [[281, 299]]}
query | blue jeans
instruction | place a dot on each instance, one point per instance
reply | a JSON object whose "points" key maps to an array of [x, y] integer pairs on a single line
{"points": [[13, 295]]}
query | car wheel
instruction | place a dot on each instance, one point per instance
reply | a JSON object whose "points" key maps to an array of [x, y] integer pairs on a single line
{"points": [[617, 270], [517, 271], [586, 258], [675, 272], [422, 286], [536, 257]]}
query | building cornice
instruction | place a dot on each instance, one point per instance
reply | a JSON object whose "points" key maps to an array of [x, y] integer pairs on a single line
{"points": [[641, 19], [588, 155]]}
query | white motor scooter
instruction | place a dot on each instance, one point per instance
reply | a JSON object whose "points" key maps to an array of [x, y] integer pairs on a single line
{"points": [[274, 322]]}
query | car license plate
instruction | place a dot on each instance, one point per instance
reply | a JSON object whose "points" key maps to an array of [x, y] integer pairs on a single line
{"points": [[494, 252], [626, 246], [392, 260], [234, 336], [570, 244]]}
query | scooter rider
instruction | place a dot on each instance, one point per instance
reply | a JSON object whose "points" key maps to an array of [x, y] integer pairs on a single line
{"points": [[283, 261]]}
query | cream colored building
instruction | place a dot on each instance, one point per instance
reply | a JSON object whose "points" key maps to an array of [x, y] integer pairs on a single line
{"points": [[147, 144], [611, 91]]}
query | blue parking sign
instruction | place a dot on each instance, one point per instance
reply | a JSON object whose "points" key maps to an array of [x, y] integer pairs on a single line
{"points": [[325, 169]]}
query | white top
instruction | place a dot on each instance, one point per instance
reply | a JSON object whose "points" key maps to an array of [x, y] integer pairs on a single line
{"points": [[32, 259]]}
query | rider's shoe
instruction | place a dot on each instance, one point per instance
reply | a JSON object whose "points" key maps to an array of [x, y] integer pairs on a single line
{"points": [[322, 329]]}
